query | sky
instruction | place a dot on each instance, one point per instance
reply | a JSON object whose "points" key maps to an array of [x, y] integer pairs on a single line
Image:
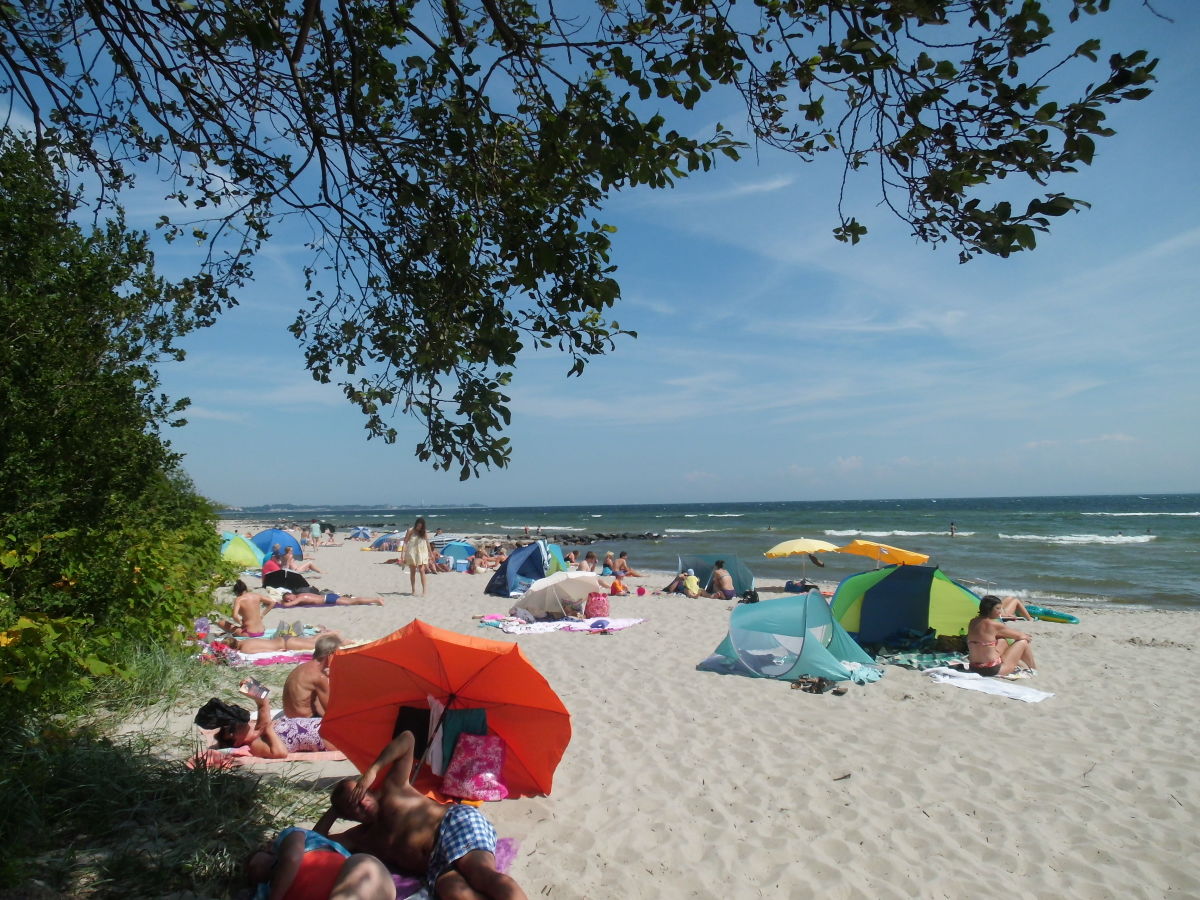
{"points": [[774, 363]]}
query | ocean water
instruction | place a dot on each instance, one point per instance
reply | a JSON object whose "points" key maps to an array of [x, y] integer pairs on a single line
{"points": [[1137, 550]]}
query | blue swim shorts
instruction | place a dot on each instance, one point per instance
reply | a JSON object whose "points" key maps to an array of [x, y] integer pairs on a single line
{"points": [[462, 830], [331, 599]]}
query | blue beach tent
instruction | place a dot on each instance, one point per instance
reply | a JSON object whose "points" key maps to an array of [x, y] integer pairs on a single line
{"points": [[266, 541], [786, 638], [459, 550], [524, 566], [393, 540]]}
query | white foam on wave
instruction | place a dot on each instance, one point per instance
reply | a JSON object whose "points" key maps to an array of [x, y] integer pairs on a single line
{"points": [[1188, 514], [854, 532], [725, 515], [689, 530], [1075, 539]]}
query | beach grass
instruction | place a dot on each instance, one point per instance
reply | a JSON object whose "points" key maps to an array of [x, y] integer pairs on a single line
{"points": [[93, 812]]}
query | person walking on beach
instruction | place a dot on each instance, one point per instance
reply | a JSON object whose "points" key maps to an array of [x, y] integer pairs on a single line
{"points": [[416, 553], [453, 847]]}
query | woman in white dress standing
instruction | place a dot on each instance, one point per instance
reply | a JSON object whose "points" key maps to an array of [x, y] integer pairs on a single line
{"points": [[416, 553]]}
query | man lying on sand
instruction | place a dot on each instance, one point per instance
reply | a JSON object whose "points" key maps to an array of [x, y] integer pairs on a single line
{"points": [[453, 846], [328, 600]]}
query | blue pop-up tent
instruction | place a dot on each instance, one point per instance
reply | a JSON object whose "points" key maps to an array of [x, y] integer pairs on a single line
{"points": [[743, 578], [459, 550], [786, 638], [524, 566]]}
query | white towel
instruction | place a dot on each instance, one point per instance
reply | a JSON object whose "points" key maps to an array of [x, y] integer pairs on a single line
{"points": [[973, 681]]}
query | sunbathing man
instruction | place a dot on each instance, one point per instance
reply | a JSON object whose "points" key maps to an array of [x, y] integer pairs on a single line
{"points": [[306, 691], [328, 600], [621, 566], [248, 610], [453, 846]]}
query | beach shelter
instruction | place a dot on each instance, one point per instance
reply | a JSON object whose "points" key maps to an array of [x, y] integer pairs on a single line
{"points": [[394, 540], [266, 541], [373, 689], [743, 578], [885, 604], [523, 567], [786, 638], [459, 550], [561, 594], [360, 533], [555, 562], [241, 552], [287, 580]]}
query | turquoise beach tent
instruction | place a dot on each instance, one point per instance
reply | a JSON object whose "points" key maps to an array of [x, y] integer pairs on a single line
{"points": [[743, 578], [895, 601], [786, 638]]}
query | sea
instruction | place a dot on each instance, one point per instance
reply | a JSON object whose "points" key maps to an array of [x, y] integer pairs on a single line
{"points": [[1137, 551]]}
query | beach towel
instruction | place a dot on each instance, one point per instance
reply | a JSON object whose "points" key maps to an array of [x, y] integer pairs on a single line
{"points": [[975, 682], [516, 627], [919, 661]]}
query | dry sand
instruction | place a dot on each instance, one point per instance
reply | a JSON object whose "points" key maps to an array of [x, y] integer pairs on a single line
{"points": [[680, 783]]}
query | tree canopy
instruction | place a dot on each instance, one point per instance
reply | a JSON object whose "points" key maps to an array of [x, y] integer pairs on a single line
{"points": [[450, 158]]}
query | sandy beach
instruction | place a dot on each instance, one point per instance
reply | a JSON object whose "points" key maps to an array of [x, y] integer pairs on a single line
{"points": [[682, 783]]}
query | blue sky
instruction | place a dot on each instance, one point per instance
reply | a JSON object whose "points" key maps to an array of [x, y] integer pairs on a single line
{"points": [[774, 363]]}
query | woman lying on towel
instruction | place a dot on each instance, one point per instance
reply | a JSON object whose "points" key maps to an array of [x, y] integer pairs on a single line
{"points": [[988, 652], [273, 738], [318, 868], [274, 644]]}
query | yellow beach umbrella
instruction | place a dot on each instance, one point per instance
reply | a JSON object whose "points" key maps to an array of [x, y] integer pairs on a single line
{"points": [[884, 553], [799, 547], [803, 547]]}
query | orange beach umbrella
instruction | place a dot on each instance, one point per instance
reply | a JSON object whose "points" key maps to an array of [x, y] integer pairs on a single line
{"points": [[368, 685], [884, 553]]}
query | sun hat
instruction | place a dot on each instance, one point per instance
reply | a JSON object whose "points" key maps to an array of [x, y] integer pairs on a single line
{"points": [[691, 571]]}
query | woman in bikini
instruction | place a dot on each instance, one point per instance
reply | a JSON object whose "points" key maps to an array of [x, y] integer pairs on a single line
{"points": [[987, 651]]}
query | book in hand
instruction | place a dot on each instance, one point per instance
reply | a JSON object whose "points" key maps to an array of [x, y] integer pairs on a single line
{"points": [[251, 687]]}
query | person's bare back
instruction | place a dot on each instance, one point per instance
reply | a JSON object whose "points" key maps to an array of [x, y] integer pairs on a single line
{"points": [[306, 691], [248, 610]]}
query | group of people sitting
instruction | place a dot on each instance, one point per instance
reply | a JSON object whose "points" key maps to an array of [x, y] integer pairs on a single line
{"points": [[719, 587]]}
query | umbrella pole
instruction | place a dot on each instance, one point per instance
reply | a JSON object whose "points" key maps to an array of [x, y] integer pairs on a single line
{"points": [[412, 776]]}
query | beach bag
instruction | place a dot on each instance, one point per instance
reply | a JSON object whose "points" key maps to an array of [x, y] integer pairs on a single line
{"points": [[474, 770], [749, 597], [597, 605]]}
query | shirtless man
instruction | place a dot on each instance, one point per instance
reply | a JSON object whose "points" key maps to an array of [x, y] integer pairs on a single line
{"points": [[306, 691], [722, 582], [248, 610], [328, 600], [453, 846]]}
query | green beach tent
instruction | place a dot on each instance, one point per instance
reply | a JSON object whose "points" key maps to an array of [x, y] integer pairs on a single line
{"points": [[880, 606], [786, 638], [242, 552]]}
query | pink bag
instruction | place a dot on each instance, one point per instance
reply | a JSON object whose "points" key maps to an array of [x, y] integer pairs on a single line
{"points": [[597, 605], [474, 770]]}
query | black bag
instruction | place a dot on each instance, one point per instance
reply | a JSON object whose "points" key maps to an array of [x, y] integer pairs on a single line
{"points": [[749, 597], [219, 714]]}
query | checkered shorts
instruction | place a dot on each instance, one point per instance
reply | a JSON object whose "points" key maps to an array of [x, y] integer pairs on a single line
{"points": [[462, 830]]}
